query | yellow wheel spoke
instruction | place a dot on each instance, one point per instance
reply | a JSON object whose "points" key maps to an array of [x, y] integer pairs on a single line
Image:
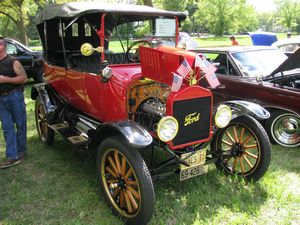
{"points": [[132, 200], [123, 170], [229, 136], [116, 192], [247, 161], [129, 172], [226, 143], [250, 146], [251, 155], [235, 134], [242, 134], [112, 163], [247, 139], [128, 204], [234, 164], [242, 164], [111, 171], [122, 200], [134, 192], [117, 160], [131, 182]]}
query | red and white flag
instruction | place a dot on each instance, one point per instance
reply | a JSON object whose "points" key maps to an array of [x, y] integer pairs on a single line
{"points": [[177, 82], [212, 79], [184, 69]]}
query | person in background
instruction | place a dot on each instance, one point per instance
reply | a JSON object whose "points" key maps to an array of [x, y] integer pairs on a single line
{"points": [[12, 107], [233, 41], [289, 35]]}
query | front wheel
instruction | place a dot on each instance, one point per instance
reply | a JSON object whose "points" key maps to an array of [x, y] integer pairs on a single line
{"points": [[243, 148], [284, 128], [125, 181]]}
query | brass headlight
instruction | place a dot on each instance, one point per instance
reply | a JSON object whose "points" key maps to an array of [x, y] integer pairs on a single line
{"points": [[223, 116], [167, 128]]}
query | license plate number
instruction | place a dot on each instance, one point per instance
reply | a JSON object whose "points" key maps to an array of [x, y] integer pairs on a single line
{"points": [[192, 172], [196, 167], [197, 159]]}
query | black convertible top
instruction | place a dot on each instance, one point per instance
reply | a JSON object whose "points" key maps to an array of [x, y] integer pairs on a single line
{"points": [[77, 9]]}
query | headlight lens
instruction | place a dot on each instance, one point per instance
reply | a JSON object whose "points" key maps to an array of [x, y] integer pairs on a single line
{"points": [[223, 116], [167, 128]]}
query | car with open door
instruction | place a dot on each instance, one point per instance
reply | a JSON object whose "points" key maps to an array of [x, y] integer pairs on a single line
{"points": [[116, 84], [266, 76]]}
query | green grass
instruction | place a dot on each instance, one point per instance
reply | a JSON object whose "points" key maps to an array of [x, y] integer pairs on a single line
{"points": [[57, 185]]}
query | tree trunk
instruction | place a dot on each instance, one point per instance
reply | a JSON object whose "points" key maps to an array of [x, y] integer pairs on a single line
{"points": [[148, 2], [23, 34]]}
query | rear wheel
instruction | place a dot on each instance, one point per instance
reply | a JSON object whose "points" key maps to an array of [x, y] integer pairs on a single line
{"points": [[284, 128], [243, 148], [45, 133], [125, 181]]}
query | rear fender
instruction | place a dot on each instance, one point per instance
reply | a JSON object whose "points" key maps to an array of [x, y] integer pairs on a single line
{"points": [[135, 134], [240, 108], [41, 91]]}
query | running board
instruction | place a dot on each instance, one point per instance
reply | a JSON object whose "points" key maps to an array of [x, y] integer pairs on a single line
{"points": [[77, 139], [59, 126]]}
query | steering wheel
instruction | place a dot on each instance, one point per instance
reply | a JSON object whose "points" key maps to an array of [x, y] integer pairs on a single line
{"points": [[133, 52]]}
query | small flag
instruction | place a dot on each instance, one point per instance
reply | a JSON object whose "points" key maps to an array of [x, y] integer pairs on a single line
{"points": [[207, 67], [212, 79], [177, 82], [184, 69]]}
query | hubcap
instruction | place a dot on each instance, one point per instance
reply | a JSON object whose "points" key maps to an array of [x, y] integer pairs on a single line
{"points": [[240, 150], [120, 182], [286, 130]]}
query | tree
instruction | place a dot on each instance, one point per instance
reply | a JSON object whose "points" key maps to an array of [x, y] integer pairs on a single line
{"points": [[226, 16], [288, 12]]}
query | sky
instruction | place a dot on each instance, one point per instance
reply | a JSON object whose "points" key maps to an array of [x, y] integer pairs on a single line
{"points": [[263, 5]]}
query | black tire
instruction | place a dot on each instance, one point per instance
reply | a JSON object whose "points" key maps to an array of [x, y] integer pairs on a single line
{"points": [[125, 181], [284, 128], [242, 148], [45, 133]]}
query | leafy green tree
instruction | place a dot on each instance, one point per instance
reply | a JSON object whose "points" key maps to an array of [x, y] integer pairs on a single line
{"points": [[288, 12], [18, 12], [226, 16]]}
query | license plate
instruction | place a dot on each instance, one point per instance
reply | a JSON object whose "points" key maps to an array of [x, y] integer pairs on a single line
{"points": [[192, 172], [196, 167], [197, 159]]}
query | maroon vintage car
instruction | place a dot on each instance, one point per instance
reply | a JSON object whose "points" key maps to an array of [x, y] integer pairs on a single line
{"points": [[119, 96], [264, 75]]}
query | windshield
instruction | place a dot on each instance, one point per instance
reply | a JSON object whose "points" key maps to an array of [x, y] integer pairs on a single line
{"points": [[259, 63], [156, 31]]}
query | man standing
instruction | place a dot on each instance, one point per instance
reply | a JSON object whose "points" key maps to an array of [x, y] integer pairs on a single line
{"points": [[12, 107]]}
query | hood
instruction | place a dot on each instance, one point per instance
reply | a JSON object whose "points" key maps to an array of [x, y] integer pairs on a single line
{"points": [[292, 62]]}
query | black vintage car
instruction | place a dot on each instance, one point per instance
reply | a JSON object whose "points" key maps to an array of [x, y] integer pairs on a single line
{"points": [[32, 61]]}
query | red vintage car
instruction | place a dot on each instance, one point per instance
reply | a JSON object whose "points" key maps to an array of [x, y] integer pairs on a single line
{"points": [[111, 87]]}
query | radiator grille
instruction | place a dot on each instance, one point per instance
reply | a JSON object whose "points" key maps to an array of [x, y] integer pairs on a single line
{"points": [[193, 116]]}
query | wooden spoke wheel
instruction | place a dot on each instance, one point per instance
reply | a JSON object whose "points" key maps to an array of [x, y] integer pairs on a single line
{"points": [[125, 180], [45, 133], [243, 148]]}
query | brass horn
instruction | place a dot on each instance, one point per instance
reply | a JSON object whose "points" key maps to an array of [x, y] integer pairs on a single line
{"points": [[87, 49]]}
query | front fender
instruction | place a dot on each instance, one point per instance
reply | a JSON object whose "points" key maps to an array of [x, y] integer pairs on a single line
{"points": [[41, 91], [240, 108], [135, 134]]}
